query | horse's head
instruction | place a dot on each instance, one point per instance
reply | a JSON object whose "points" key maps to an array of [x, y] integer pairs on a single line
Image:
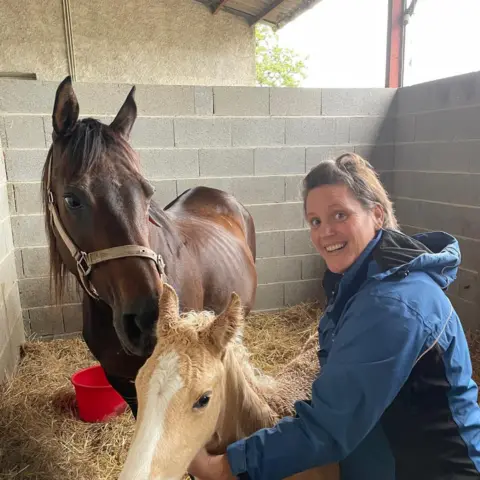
{"points": [[96, 199], [180, 389]]}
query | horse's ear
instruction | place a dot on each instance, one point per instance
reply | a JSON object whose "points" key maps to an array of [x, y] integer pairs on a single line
{"points": [[226, 325], [66, 109], [126, 116], [168, 309]]}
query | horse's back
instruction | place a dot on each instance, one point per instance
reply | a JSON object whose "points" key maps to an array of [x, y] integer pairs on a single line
{"points": [[216, 206]]}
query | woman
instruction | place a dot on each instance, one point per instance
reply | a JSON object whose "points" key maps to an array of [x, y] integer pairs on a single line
{"points": [[395, 397]]}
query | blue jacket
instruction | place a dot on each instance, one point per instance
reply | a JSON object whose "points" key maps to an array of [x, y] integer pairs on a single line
{"points": [[395, 397]]}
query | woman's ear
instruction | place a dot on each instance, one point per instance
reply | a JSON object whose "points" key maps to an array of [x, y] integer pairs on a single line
{"points": [[378, 216]]}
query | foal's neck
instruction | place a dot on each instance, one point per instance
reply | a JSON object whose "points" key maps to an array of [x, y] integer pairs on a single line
{"points": [[245, 408]]}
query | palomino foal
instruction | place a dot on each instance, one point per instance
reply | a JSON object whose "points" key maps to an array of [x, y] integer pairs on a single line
{"points": [[198, 389]]}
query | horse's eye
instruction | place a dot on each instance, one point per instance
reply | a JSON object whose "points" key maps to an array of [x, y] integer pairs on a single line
{"points": [[202, 402], [72, 202]]}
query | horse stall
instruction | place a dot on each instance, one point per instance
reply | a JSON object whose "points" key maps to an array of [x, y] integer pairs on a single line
{"points": [[257, 144]]}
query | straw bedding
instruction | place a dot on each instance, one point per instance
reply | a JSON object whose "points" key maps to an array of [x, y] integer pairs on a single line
{"points": [[41, 435]]}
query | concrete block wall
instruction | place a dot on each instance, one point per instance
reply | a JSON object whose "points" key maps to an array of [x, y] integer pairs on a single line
{"points": [[256, 143], [11, 325], [436, 183]]}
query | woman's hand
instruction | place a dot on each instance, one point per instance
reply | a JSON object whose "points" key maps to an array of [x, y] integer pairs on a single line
{"points": [[210, 467]]}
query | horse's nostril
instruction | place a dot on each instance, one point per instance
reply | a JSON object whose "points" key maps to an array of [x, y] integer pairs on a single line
{"points": [[132, 328]]}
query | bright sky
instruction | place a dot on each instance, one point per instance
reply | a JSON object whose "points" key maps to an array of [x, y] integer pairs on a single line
{"points": [[346, 41]]}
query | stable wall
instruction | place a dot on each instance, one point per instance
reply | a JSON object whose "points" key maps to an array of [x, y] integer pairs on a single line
{"points": [[256, 143], [161, 42], [11, 325], [437, 173]]}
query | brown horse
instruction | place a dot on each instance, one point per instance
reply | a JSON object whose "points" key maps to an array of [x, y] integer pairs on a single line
{"points": [[199, 389], [104, 227]]}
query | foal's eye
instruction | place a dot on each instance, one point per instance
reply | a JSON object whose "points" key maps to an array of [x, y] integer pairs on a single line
{"points": [[202, 402], [72, 202]]}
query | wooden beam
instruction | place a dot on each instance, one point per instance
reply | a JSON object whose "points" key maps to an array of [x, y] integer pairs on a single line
{"points": [[219, 6], [266, 11], [395, 44]]}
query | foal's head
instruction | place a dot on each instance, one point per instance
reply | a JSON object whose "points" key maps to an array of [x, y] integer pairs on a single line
{"points": [[180, 389], [103, 202]]}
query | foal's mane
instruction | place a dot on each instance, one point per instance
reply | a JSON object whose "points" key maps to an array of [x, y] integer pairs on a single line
{"points": [[86, 150]]}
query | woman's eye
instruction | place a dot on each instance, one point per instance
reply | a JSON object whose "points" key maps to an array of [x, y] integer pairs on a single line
{"points": [[340, 216], [202, 402], [72, 202], [314, 222]]}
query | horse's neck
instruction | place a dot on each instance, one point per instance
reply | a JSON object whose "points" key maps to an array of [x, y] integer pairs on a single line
{"points": [[245, 408]]}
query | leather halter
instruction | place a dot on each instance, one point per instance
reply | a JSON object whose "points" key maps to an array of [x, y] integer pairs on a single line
{"points": [[85, 261]]}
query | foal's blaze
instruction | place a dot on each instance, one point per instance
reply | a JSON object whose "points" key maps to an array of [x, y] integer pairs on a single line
{"points": [[180, 389]]}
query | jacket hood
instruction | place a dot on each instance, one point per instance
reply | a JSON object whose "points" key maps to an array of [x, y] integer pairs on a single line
{"points": [[435, 253]]}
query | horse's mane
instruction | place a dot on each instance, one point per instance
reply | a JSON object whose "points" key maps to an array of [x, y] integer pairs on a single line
{"points": [[84, 153]]}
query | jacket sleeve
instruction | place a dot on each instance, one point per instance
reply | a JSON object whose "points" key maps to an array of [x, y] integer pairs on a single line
{"points": [[371, 358]]}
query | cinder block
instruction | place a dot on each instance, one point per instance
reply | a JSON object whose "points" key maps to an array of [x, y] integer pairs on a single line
{"points": [[25, 165], [279, 269], [18, 263], [6, 239], [248, 190], [316, 155], [169, 163], [27, 97], [371, 130], [297, 242], [165, 191], [24, 131], [381, 157], [72, 318], [270, 244], [8, 275], [405, 128], [35, 261], [277, 161], [202, 132], [244, 101], [448, 125], [258, 131], [222, 162], [303, 291], [27, 198], [35, 292], [3, 135], [5, 201], [468, 286], [469, 248], [28, 231], [13, 307], [7, 361], [269, 296], [203, 100], [152, 132], [358, 101], [295, 101], [279, 216], [317, 131], [17, 338], [313, 266], [46, 320], [4, 328], [386, 178], [293, 188], [165, 100]]}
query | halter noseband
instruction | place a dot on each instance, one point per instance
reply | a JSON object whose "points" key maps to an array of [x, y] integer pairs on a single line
{"points": [[85, 261]]}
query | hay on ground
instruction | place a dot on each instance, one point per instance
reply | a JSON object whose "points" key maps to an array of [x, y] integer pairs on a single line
{"points": [[42, 437]]}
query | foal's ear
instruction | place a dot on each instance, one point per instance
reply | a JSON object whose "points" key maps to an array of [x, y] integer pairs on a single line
{"points": [[168, 309], [226, 325], [66, 109], [126, 116]]}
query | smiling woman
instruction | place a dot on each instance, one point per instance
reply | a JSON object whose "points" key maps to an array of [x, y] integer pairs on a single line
{"points": [[395, 397]]}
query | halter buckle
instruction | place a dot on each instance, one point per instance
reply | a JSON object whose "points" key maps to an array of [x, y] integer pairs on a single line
{"points": [[82, 264], [50, 197]]}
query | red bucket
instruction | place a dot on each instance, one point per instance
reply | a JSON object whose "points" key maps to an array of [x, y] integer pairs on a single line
{"points": [[96, 399]]}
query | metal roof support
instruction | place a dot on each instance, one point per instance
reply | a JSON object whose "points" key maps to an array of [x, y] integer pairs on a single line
{"points": [[395, 44], [265, 12], [219, 6]]}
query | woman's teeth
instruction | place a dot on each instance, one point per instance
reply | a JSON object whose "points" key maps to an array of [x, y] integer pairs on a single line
{"points": [[336, 246]]}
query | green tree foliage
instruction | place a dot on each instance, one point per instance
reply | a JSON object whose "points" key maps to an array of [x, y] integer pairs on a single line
{"points": [[277, 66]]}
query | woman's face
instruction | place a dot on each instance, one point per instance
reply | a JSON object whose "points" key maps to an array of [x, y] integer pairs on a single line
{"points": [[340, 227]]}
